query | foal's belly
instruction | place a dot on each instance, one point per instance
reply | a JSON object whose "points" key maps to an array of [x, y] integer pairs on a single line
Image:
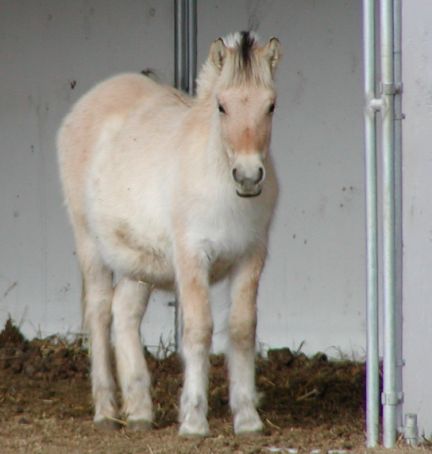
{"points": [[150, 259], [147, 259]]}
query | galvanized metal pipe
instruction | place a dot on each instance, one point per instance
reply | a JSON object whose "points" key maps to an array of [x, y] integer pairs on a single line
{"points": [[185, 45], [371, 105], [390, 394], [191, 45], [180, 82], [185, 66], [398, 117], [180, 47], [389, 104]]}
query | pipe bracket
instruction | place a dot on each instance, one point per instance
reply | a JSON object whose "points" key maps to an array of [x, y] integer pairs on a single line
{"points": [[388, 89], [391, 89], [392, 398]]}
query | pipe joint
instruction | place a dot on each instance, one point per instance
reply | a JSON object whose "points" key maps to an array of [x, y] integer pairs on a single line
{"points": [[375, 104]]}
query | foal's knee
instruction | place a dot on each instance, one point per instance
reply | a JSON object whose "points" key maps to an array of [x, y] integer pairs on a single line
{"points": [[98, 314], [198, 332], [242, 332]]}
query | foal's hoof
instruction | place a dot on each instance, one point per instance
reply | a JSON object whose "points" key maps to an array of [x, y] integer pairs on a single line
{"points": [[139, 425], [107, 424], [193, 435], [250, 433], [248, 424], [194, 431]]}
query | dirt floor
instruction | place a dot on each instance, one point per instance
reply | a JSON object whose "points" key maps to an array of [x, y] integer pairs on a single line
{"points": [[307, 404]]}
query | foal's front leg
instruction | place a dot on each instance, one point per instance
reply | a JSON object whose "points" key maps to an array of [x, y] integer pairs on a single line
{"points": [[192, 277], [241, 354]]}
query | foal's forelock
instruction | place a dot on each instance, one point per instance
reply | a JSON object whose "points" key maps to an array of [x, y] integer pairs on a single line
{"points": [[245, 62], [238, 59]]}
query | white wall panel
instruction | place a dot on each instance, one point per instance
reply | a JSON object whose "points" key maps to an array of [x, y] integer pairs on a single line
{"points": [[417, 217]]}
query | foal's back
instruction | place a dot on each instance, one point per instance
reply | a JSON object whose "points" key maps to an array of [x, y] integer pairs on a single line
{"points": [[115, 99]]}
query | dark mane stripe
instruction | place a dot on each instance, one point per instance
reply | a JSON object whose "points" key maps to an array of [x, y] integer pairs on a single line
{"points": [[244, 62], [246, 44]]}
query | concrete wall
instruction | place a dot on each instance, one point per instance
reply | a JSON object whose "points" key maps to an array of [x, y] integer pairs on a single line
{"points": [[313, 287], [417, 218]]}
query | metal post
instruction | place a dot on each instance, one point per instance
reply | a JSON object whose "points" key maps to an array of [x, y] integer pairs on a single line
{"points": [[398, 117], [372, 367], [180, 82], [185, 67], [389, 104], [185, 45], [180, 51], [390, 396], [192, 45]]}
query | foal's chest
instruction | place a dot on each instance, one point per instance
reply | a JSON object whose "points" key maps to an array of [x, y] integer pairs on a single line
{"points": [[224, 234]]}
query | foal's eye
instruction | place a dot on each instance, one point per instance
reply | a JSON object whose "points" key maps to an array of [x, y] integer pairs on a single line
{"points": [[221, 108], [271, 108]]}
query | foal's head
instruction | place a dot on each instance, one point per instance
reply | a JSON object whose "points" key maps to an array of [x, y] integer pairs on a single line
{"points": [[244, 98]]}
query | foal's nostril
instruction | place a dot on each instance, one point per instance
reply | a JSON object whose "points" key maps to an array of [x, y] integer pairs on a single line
{"points": [[235, 175], [260, 175]]}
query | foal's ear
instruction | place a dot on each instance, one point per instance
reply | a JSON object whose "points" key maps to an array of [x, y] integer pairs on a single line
{"points": [[272, 51], [218, 53]]}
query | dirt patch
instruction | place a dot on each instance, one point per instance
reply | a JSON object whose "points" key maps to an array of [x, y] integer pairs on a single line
{"points": [[45, 403]]}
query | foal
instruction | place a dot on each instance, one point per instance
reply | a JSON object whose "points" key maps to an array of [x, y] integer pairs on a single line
{"points": [[175, 192]]}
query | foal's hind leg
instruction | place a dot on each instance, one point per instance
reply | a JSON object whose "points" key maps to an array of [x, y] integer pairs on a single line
{"points": [[129, 304], [97, 317], [241, 354]]}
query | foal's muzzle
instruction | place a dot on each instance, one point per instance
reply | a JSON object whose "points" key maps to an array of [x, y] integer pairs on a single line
{"points": [[248, 180]]}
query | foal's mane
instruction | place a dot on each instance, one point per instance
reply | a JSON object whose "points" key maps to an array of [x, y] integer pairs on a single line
{"points": [[243, 62]]}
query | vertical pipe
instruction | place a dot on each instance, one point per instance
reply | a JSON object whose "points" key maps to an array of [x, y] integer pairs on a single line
{"points": [[397, 67], [390, 399], [192, 45], [179, 44], [185, 45], [185, 65], [372, 366], [180, 68]]}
